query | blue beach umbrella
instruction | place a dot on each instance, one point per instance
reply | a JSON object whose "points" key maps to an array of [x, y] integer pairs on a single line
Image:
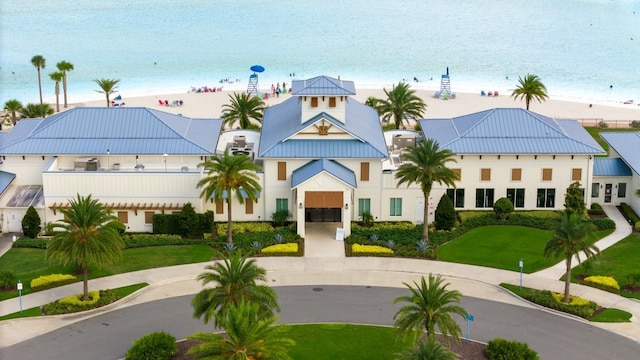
{"points": [[257, 68]]}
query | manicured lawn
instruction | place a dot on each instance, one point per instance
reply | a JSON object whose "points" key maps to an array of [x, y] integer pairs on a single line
{"points": [[28, 264], [501, 246], [618, 261], [343, 341], [35, 311]]}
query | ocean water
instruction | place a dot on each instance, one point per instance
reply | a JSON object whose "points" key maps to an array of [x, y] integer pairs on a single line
{"points": [[581, 49]]}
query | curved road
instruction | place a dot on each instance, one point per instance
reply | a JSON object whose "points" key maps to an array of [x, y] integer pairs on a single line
{"points": [[109, 335]]}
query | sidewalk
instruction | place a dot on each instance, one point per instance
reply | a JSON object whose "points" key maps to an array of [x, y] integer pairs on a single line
{"points": [[179, 280]]}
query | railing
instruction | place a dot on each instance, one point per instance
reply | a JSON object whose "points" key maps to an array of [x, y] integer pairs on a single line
{"points": [[611, 124]]}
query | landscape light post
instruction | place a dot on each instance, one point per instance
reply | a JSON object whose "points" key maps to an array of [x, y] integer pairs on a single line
{"points": [[20, 294], [521, 265]]}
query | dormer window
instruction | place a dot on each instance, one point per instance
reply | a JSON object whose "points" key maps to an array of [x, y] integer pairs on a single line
{"points": [[332, 102], [314, 102]]}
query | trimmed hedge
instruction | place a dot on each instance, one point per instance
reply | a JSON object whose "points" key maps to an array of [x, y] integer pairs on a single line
{"points": [[154, 346], [596, 209], [24, 242], [144, 240], [605, 283], [546, 299], [629, 213], [76, 299], [368, 250], [501, 349], [288, 248], [174, 224], [51, 281]]}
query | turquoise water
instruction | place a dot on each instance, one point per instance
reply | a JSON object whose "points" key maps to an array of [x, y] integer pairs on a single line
{"points": [[578, 48]]}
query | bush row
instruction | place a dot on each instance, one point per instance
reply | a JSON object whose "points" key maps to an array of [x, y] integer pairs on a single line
{"points": [[287, 248], [546, 299], [605, 283], [56, 307], [596, 209], [629, 213], [144, 240], [186, 223], [24, 242], [51, 281], [501, 349]]}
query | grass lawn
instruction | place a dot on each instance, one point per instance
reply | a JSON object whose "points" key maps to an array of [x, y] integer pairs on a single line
{"points": [[618, 261], [28, 264], [343, 341], [501, 246], [35, 311]]}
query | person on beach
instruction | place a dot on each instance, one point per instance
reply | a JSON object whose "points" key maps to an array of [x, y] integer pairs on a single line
{"points": [[273, 90]]}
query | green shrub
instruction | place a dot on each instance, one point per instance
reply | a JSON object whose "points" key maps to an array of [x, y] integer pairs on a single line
{"points": [[154, 346], [144, 240], [629, 213], [603, 224], [50, 281], [545, 298], [503, 207], [245, 227], [637, 226], [605, 283], [77, 299], [370, 250], [603, 125], [188, 223], [7, 280], [281, 248], [596, 209], [445, 216], [24, 242], [161, 224], [31, 223], [280, 217], [501, 349], [367, 218], [635, 124], [57, 308]]}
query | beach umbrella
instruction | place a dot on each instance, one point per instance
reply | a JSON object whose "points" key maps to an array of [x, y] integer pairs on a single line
{"points": [[257, 68]]}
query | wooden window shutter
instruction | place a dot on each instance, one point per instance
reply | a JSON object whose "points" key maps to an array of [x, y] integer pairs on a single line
{"points": [[546, 174], [219, 206], [332, 102], [364, 171], [576, 174], [485, 174], [458, 172], [123, 216], [282, 170], [314, 102], [516, 174], [248, 206], [148, 217]]}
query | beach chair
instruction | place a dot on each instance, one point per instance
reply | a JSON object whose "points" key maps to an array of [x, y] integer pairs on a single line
{"points": [[495, 93], [482, 93], [161, 102], [180, 102], [490, 93], [166, 102]]}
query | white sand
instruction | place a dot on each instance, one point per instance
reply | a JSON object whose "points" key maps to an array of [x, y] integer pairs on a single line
{"points": [[208, 105]]}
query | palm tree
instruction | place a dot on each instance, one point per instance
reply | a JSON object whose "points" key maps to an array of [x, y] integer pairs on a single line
{"points": [[64, 67], [32, 111], [401, 104], [88, 234], [242, 109], [39, 62], [430, 304], [530, 88], [428, 349], [108, 87], [226, 176], [235, 279], [570, 238], [248, 336], [424, 165], [13, 106], [57, 77], [373, 102]]}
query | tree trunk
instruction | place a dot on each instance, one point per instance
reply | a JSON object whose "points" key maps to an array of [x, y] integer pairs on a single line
{"points": [[108, 103], [40, 85], [425, 222], [567, 280], [64, 88], [58, 97], [229, 221], [85, 277]]}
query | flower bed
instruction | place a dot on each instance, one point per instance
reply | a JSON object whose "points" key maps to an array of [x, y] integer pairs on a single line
{"points": [[370, 250], [51, 281], [605, 283], [281, 249]]}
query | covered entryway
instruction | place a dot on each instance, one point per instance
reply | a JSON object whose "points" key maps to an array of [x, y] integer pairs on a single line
{"points": [[323, 206]]}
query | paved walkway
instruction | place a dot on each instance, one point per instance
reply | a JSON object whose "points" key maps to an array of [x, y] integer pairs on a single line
{"points": [[390, 272]]}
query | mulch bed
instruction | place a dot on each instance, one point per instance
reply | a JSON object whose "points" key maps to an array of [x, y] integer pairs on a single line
{"points": [[470, 351]]}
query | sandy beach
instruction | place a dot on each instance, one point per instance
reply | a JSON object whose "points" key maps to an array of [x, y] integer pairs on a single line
{"points": [[209, 105]]}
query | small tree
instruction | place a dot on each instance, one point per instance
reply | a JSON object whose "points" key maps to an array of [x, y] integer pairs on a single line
{"points": [[31, 223], [280, 217], [574, 199], [503, 207], [188, 221], [445, 217]]}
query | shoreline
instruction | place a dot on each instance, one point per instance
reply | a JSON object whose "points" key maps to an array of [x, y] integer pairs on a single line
{"points": [[208, 104]]}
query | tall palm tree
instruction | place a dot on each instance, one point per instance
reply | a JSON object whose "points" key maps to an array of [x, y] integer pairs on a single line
{"points": [[107, 86], [64, 67], [401, 104], [13, 107], [226, 176], [424, 165], [234, 279], [530, 88], [430, 305], [248, 336], [428, 349], [570, 238], [39, 62], [88, 234], [32, 111], [373, 102], [243, 109], [57, 77]]}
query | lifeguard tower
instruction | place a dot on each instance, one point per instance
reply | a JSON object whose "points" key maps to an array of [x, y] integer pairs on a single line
{"points": [[252, 88], [445, 86]]}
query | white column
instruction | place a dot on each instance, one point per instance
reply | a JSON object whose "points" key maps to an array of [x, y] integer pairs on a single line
{"points": [[347, 210], [299, 209]]}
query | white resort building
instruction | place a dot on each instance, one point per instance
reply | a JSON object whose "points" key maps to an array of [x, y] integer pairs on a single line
{"points": [[324, 158]]}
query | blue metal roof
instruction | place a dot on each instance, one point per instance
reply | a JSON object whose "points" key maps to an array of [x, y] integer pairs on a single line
{"points": [[284, 120], [315, 167], [610, 167], [510, 131], [126, 130], [322, 85], [5, 180], [627, 145]]}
